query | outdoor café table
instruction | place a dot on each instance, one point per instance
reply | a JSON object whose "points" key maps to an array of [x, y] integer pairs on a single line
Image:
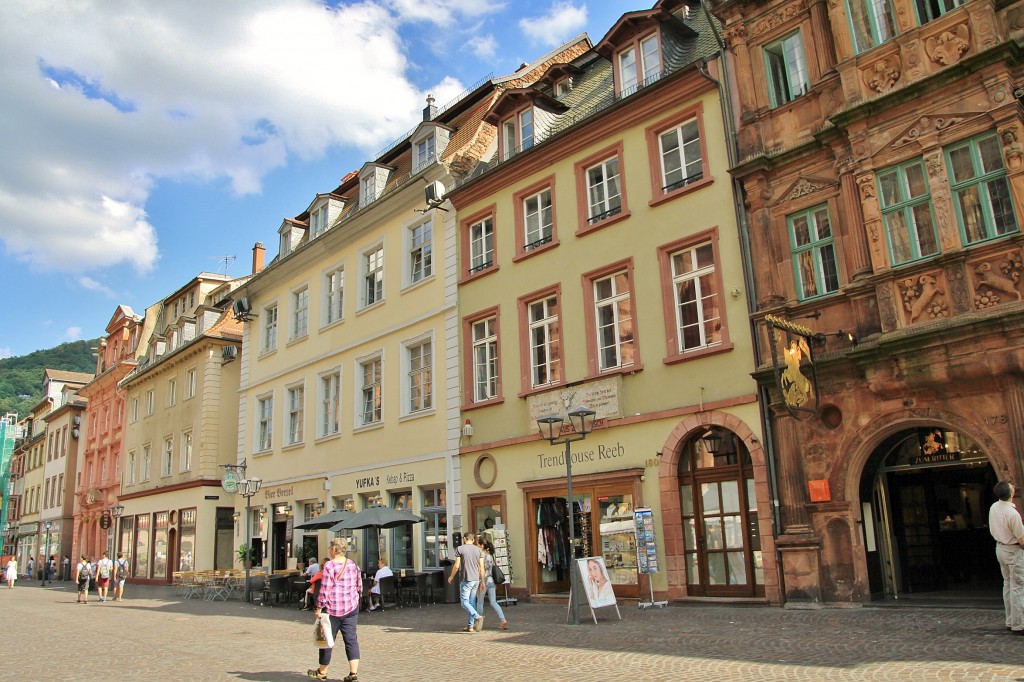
{"points": [[413, 586], [218, 586]]}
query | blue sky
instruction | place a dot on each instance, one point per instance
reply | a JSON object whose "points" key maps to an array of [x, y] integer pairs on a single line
{"points": [[145, 140]]}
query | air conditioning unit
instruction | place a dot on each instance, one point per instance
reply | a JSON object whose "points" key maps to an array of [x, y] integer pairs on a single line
{"points": [[229, 353], [434, 193], [241, 308]]}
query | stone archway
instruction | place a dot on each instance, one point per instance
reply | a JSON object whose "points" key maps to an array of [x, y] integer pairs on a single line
{"points": [[671, 504]]}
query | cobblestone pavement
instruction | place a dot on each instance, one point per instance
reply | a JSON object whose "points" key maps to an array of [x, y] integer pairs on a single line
{"points": [[154, 636]]}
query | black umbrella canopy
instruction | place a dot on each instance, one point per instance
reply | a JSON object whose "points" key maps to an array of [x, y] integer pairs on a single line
{"points": [[325, 520], [377, 517]]}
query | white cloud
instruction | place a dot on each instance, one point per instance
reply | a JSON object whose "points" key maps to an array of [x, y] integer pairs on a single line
{"points": [[444, 13], [483, 46], [73, 334], [6, 352], [89, 284], [563, 21], [110, 98]]}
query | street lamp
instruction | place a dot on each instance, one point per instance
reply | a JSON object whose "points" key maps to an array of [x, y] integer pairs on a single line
{"points": [[46, 553], [117, 511], [582, 421], [248, 487]]}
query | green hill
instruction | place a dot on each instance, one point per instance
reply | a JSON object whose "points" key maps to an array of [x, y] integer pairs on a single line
{"points": [[21, 377]]}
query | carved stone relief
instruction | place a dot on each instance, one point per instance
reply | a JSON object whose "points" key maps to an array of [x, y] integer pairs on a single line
{"points": [[1015, 19], [947, 47], [883, 74], [887, 308], [997, 279], [923, 298], [957, 284], [915, 69], [866, 183], [985, 33], [1013, 150], [926, 125], [804, 186], [775, 20]]}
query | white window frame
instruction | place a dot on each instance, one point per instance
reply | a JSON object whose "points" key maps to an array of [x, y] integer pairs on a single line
{"points": [[368, 414], [639, 65], [268, 334], [131, 468], [425, 153], [418, 374], [367, 189], [186, 450], [486, 370], [686, 158], [167, 461], [538, 219], [544, 345], [518, 132], [420, 248], [172, 392], [300, 313], [707, 272], [264, 422], [481, 245], [372, 266], [295, 396], [150, 402], [599, 190], [334, 295], [610, 304], [147, 461], [135, 409], [318, 219], [190, 383], [329, 414]]}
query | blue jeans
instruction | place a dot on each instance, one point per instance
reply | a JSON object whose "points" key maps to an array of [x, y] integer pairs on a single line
{"points": [[494, 601], [467, 597]]}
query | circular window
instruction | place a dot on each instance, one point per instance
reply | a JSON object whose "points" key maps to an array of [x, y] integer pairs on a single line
{"points": [[485, 471]]}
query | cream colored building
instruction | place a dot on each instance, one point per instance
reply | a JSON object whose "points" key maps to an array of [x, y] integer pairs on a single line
{"points": [[611, 277], [180, 428], [350, 393]]}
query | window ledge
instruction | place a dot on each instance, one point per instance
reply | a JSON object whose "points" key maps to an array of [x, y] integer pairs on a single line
{"points": [[621, 371], [267, 352], [416, 285], [547, 246], [263, 453], [327, 437], [419, 414], [680, 191], [296, 339], [540, 389], [483, 403], [331, 325], [601, 224], [369, 427], [366, 308], [293, 446], [702, 353], [470, 276]]}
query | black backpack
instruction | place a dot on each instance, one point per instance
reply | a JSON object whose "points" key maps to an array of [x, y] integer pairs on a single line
{"points": [[121, 572], [85, 573]]}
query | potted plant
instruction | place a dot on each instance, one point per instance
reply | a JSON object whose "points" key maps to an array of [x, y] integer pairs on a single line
{"points": [[244, 555]]}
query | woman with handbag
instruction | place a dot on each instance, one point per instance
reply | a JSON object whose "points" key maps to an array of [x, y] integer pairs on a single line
{"points": [[489, 567], [341, 588]]}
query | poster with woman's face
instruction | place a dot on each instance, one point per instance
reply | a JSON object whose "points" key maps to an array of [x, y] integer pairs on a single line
{"points": [[595, 582]]}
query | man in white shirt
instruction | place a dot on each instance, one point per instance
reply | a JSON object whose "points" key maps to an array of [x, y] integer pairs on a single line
{"points": [[383, 571], [1004, 523], [313, 568]]}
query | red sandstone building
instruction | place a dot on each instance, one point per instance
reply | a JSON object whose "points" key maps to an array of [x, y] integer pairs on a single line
{"points": [[881, 165]]}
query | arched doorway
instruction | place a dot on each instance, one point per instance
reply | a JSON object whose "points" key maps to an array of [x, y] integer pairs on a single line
{"points": [[925, 495], [718, 504]]}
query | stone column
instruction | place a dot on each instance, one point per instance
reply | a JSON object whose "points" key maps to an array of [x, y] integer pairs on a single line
{"points": [[762, 239], [1014, 393], [821, 34], [853, 221]]}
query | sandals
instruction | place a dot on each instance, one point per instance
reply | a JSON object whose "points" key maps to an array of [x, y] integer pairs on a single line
{"points": [[504, 625], [316, 674], [351, 677]]}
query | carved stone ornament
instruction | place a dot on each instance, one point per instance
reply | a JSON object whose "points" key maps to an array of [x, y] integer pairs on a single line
{"points": [[866, 183], [922, 296], [946, 48], [958, 292], [886, 308], [926, 125], [774, 20], [1013, 150], [995, 283], [803, 187], [883, 74], [934, 164]]}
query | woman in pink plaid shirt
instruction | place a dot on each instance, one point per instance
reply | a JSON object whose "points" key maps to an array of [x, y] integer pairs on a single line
{"points": [[340, 594]]}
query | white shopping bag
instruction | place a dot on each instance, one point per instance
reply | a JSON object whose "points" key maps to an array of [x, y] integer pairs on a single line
{"points": [[322, 634]]}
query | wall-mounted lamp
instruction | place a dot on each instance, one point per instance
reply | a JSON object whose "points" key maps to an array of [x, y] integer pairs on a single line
{"points": [[285, 509], [821, 338], [237, 515], [467, 429], [712, 442], [319, 507]]}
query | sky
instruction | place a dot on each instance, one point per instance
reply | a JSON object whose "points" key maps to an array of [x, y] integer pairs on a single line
{"points": [[144, 142]]}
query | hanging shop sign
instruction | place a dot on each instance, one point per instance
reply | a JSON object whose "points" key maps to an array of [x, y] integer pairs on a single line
{"points": [[793, 365]]}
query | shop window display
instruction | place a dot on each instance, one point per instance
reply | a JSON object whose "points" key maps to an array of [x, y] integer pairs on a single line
{"points": [[618, 539]]}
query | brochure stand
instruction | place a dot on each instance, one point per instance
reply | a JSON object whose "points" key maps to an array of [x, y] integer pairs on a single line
{"points": [[499, 538], [597, 586], [646, 551]]}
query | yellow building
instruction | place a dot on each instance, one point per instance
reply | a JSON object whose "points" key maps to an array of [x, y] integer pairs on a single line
{"points": [[181, 427], [600, 266], [348, 330]]}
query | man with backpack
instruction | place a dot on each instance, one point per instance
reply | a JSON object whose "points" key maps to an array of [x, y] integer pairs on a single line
{"points": [[83, 574], [104, 570], [120, 575]]}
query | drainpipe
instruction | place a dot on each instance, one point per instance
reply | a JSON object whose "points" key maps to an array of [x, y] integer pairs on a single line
{"points": [[725, 100]]}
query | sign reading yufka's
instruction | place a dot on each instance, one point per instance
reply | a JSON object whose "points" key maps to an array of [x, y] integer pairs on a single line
{"points": [[646, 550]]}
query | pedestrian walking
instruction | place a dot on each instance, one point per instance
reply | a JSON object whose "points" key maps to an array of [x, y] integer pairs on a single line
{"points": [[83, 574], [28, 569], [104, 572], [489, 589], [1005, 525], [120, 576], [469, 565], [51, 567], [11, 572], [341, 590], [65, 566]]}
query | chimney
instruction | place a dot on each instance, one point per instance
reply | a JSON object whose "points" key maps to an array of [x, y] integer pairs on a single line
{"points": [[430, 111], [257, 257]]}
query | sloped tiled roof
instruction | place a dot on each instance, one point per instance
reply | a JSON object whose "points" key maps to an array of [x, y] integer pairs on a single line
{"points": [[68, 377]]}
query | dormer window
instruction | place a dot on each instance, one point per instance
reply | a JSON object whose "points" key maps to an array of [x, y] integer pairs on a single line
{"points": [[563, 86], [367, 190], [372, 180], [425, 154], [291, 234], [639, 65], [517, 133], [318, 219], [324, 209]]}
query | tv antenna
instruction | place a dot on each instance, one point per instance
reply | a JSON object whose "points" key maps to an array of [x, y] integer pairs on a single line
{"points": [[226, 261]]}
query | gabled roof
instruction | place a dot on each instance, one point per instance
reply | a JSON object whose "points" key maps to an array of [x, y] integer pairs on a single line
{"points": [[631, 23], [513, 98], [67, 377]]}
